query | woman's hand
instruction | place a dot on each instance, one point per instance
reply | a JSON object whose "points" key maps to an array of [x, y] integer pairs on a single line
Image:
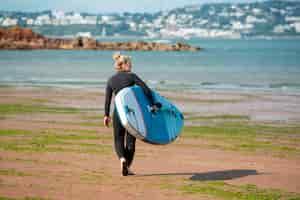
{"points": [[155, 107], [106, 121]]}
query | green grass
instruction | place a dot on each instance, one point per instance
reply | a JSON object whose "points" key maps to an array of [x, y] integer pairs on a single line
{"points": [[53, 140], [12, 172], [248, 137], [7, 109], [222, 190], [219, 117], [66, 147], [95, 124], [25, 198], [70, 131], [51, 136], [239, 130], [46, 141], [3, 86], [93, 117], [214, 101], [46, 162], [13, 132], [219, 131], [78, 123]]}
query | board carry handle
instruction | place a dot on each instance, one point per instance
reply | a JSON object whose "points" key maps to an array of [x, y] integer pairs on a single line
{"points": [[167, 109]]}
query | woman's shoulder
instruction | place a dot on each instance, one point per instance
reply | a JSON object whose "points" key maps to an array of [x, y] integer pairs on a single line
{"points": [[118, 75], [130, 74]]}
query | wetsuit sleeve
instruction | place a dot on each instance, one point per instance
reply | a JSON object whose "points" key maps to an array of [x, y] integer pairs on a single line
{"points": [[145, 88], [108, 95]]}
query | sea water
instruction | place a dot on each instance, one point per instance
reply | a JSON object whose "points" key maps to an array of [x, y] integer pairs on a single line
{"points": [[240, 65]]}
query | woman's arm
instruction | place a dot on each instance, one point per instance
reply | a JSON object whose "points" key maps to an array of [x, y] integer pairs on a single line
{"points": [[145, 88], [108, 95]]}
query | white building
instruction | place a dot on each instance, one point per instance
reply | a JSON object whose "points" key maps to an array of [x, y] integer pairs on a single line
{"points": [[251, 19], [158, 22], [76, 18], [107, 18], [201, 22], [282, 11], [292, 19], [237, 25], [199, 32], [172, 19], [274, 10], [114, 22], [84, 34], [215, 25], [29, 21], [9, 22], [238, 13], [211, 12], [58, 14], [192, 8], [281, 28], [42, 20], [133, 26], [256, 11], [296, 26], [224, 14], [90, 20]]}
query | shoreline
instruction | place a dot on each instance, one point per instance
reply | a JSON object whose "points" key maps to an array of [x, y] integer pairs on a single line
{"points": [[261, 91], [258, 107]]}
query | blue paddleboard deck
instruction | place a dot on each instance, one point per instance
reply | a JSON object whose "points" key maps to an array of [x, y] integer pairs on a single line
{"points": [[161, 127]]}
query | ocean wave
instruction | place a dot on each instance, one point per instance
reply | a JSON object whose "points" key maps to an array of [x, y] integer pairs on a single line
{"points": [[158, 84], [285, 85], [38, 81], [164, 84]]}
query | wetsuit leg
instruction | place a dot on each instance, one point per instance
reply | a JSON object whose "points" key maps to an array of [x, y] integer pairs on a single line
{"points": [[130, 148], [119, 136]]}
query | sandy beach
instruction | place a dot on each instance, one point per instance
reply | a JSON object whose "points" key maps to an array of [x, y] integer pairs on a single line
{"points": [[238, 145]]}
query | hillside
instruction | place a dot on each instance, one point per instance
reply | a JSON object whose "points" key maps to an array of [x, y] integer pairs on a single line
{"points": [[269, 18]]}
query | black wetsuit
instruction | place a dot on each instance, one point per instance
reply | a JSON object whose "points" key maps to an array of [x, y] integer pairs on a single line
{"points": [[117, 82]]}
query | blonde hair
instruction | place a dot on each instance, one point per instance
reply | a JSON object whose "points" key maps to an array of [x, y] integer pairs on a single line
{"points": [[120, 60]]}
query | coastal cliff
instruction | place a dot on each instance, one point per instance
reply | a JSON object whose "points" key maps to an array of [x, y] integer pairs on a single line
{"points": [[23, 38]]}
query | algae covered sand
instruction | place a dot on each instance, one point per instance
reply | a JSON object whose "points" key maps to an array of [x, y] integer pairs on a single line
{"points": [[54, 146]]}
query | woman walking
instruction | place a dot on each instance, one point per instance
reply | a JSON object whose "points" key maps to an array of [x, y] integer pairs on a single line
{"points": [[124, 142]]}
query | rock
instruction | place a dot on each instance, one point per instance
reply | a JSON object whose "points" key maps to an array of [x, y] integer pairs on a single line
{"points": [[23, 38], [17, 33], [84, 43], [89, 43]]}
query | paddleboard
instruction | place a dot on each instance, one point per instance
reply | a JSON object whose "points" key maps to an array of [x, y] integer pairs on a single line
{"points": [[134, 110]]}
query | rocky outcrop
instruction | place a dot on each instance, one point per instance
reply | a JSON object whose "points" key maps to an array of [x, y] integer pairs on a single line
{"points": [[22, 38]]}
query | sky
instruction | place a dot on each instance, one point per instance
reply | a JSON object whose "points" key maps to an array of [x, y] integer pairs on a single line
{"points": [[102, 6]]}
